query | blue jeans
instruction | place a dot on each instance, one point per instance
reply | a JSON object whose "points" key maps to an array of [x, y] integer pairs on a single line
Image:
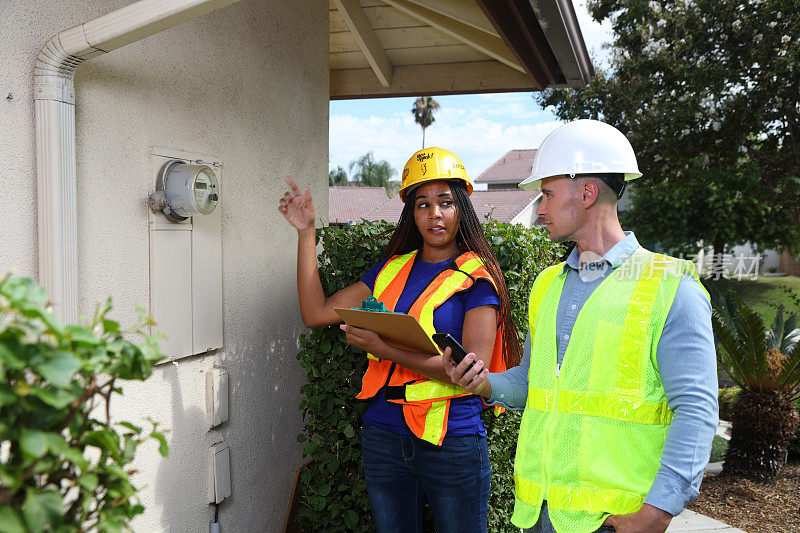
{"points": [[403, 471], [543, 525]]}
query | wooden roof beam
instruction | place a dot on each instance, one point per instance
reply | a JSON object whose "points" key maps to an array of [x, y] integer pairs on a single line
{"points": [[427, 80], [466, 12], [367, 41], [519, 28], [488, 44]]}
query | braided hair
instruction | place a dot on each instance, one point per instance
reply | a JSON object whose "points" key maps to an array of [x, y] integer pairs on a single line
{"points": [[470, 237]]}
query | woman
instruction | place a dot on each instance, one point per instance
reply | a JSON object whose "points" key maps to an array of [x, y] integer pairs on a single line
{"points": [[422, 437]]}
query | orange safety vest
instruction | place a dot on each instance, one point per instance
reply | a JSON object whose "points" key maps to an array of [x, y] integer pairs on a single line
{"points": [[425, 402]]}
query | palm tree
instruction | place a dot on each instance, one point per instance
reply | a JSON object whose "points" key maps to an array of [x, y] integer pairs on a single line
{"points": [[370, 173], [337, 177], [766, 365], [423, 109]]}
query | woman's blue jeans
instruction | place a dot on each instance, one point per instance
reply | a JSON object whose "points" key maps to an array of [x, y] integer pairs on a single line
{"points": [[403, 471]]}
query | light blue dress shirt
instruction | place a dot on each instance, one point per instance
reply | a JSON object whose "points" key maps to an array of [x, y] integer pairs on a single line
{"points": [[686, 362]]}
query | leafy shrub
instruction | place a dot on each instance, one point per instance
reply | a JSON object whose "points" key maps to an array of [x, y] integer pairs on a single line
{"points": [[55, 380], [727, 397], [332, 485], [718, 448]]}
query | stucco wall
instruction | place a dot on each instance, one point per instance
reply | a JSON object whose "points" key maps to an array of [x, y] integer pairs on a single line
{"points": [[247, 84], [527, 217]]}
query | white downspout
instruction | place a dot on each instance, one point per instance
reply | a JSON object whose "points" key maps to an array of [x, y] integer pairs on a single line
{"points": [[54, 95]]}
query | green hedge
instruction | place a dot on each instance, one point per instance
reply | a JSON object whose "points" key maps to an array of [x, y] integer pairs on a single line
{"points": [[727, 397], [332, 487]]}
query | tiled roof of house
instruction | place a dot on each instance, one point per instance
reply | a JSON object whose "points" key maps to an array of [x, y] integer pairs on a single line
{"points": [[390, 211], [350, 204], [507, 203], [510, 169]]}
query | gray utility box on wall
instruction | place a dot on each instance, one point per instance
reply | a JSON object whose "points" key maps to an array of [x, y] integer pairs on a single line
{"points": [[186, 269]]}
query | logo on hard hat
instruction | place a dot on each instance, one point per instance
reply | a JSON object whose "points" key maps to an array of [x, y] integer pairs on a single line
{"points": [[424, 168], [406, 172], [423, 157]]}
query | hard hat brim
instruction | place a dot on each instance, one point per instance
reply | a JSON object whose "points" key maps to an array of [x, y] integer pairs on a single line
{"points": [[533, 183], [405, 190], [530, 184]]}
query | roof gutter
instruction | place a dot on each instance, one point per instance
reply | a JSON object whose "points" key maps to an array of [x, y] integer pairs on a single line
{"points": [[54, 95], [560, 25]]}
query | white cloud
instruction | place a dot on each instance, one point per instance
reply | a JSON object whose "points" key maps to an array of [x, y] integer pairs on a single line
{"points": [[477, 141], [594, 35]]}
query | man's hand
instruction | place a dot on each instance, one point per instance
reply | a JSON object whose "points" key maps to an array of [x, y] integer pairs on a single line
{"points": [[472, 380], [648, 519]]}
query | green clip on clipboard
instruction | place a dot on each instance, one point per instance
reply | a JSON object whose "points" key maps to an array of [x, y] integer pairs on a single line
{"points": [[400, 330]]}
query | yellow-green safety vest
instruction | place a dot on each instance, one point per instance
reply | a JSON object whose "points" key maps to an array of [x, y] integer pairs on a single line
{"points": [[593, 430]]}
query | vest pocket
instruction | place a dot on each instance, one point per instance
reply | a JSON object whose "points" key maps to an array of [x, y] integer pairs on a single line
{"points": [[619, 454]]}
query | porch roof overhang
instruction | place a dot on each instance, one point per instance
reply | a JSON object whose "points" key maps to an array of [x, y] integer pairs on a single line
{"points": [[382, 48]]}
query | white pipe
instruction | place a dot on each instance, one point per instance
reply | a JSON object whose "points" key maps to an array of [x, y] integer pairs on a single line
{"points": [[54, 95]]}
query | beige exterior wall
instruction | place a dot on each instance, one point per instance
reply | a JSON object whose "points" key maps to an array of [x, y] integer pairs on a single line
{"points": [[789, 265], [247, 84], [527, 217]]}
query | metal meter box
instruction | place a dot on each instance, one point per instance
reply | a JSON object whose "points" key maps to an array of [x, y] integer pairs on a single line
{"points": [[186, 251]]}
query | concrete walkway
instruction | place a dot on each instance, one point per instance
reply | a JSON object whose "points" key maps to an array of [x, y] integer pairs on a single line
{"points": [[691, 521]]}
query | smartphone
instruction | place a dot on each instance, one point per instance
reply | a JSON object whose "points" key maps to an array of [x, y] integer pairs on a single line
{"points": [[445, 340]]}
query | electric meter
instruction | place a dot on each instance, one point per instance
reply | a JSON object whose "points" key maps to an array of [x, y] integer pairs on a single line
{"points": [[184, 190]]}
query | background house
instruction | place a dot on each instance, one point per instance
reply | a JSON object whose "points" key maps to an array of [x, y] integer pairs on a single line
{"points": [[98, 93], [347, 205], [507, 172]]}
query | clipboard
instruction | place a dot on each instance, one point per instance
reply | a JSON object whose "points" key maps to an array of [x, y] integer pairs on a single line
{"points": [[399, 330]]}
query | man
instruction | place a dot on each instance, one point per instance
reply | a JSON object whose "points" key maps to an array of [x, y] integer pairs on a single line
{"points": [[618, 380]]}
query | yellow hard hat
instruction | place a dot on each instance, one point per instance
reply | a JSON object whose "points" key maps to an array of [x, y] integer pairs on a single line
{"points": [[432, 164]]}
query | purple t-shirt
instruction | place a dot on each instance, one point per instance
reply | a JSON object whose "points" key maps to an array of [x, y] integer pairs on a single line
{"points": [[464, 416]]}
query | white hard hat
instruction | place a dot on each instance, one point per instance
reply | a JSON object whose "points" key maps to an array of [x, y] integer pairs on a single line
{"points": [[583, 147]]}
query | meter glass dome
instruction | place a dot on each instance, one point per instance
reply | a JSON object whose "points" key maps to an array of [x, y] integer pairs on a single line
{"points": [[205, 191]]}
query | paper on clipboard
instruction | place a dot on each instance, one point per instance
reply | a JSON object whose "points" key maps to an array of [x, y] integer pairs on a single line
{"points": [[399, 330]]}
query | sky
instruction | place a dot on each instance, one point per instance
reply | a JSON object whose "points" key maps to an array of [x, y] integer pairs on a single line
{"points": [[478, 128]]}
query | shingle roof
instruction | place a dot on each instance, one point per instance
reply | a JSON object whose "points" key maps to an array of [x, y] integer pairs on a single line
{"points": [[507, 203], [350, 204], [390, 211], [510, 169]]}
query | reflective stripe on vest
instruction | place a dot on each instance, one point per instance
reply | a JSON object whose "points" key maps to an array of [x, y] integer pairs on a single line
{"points": [[598, 404], [425, 402], [390, 281], [592, 433], [565, 498]]}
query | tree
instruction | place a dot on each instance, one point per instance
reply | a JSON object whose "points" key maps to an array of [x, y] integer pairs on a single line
{"points": [[423, 109], [337, 177], [370, 173], [708, 94], [765, 363]]}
